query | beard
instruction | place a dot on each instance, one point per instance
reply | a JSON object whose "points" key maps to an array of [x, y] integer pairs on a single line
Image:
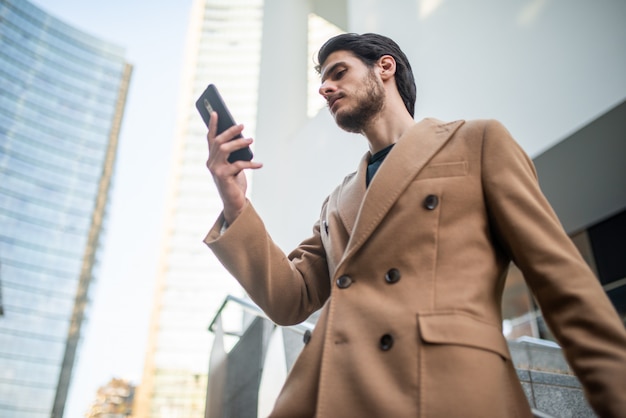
{"points": [[370, 101]]}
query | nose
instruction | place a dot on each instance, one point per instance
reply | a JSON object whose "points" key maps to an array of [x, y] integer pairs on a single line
{"points": [[326, 89]]}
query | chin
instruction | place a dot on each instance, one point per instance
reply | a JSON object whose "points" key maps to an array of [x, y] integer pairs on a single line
{"points": [[340, 113]]}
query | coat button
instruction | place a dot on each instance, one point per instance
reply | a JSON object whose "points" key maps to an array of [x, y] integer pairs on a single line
{"points": [[306, 337], [344, 282], [392, 276], [431, 202], [386, 342]]}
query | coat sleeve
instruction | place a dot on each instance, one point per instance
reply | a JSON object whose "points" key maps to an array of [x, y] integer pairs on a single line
{"points": [[287, 288], [571, 298]]}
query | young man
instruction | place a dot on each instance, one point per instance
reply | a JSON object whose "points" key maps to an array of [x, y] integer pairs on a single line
{"points": [[408, 261]]}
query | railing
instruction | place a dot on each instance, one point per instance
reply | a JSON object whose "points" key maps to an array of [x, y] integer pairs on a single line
{"points": [[238, 385], [250, 307], [539, 414]]}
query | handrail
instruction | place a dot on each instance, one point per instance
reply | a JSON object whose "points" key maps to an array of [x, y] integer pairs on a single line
{"points": [[538, 414], [254, 309], [537, 341]]}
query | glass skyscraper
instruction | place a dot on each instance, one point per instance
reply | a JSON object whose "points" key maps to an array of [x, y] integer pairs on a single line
{"points": [[62, 96], [223, 47]]}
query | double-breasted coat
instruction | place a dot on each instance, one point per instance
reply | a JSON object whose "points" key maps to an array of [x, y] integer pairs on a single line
{"points": [[410, 273]]}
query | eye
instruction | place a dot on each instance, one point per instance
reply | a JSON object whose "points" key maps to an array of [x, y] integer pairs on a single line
{"points": [[339, 74]]}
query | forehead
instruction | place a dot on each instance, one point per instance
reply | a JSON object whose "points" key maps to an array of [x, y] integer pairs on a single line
{"points": [[338, 57]]}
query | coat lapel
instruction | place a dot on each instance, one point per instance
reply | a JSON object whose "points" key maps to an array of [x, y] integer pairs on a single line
{"points": [[351, 195], [362, 210]]}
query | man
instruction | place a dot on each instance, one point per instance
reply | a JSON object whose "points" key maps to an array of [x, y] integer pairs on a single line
{"points": [[409, 258]]}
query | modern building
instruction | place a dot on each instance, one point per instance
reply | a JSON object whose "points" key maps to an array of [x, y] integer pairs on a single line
{"points": [[113, 400], [223, 47], [62, 97]]}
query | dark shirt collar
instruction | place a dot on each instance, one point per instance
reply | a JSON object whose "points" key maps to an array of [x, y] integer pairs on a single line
{"points": [[375, 161]]}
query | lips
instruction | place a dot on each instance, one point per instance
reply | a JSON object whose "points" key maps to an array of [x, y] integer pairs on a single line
{"points": [[332, 100]]}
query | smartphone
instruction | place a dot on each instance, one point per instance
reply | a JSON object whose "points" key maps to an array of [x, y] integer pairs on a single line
{"points": [[211, 101]]}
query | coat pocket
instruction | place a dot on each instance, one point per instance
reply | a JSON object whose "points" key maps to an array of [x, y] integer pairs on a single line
{"points": [[465, 369], [463, 330], [451, 169]]}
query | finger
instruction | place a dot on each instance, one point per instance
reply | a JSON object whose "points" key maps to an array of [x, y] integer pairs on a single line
{"points": [[234, 145], [210, 136], [226, 173], [241, 165], [225, 168], [229, 134], [219, 154], [212, 126]]}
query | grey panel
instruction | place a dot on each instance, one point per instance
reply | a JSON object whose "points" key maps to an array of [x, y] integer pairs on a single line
{"points": [[584, 176]]}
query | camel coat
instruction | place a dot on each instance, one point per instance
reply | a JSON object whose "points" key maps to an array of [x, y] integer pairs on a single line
{"points": [[410, 274]]}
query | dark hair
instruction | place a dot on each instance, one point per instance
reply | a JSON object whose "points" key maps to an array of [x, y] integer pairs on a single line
{"points": [[369, 47]]}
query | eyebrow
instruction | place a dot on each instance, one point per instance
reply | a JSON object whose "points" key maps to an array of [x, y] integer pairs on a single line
{"points": [[332, 69]]}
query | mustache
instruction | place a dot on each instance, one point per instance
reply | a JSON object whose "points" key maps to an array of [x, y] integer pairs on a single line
{"points": [[331, 99]]}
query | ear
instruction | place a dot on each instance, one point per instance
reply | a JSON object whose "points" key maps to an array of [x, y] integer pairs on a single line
{"points": [[387, 66]]}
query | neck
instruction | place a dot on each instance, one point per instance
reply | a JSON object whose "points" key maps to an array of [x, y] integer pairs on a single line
{"points": [[387, 127]]}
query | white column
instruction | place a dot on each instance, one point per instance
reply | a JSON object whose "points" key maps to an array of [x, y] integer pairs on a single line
{"points": [[282, 103]]}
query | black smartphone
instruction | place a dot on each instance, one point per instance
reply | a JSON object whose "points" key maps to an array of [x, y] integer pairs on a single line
{"points": [[211, 101]]}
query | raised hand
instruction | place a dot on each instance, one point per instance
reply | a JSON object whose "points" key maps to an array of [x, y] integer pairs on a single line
{"points": [[229, 178]]}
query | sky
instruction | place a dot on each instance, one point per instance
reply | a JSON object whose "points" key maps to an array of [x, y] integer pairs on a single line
{"points": [[153, 35]]}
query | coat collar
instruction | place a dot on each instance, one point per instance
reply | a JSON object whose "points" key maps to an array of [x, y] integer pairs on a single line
{"points": [[361, 209]]}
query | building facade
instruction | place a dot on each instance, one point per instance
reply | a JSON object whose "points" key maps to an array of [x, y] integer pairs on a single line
{"points": [[223, 47], [62, 96], [113, 400]]}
